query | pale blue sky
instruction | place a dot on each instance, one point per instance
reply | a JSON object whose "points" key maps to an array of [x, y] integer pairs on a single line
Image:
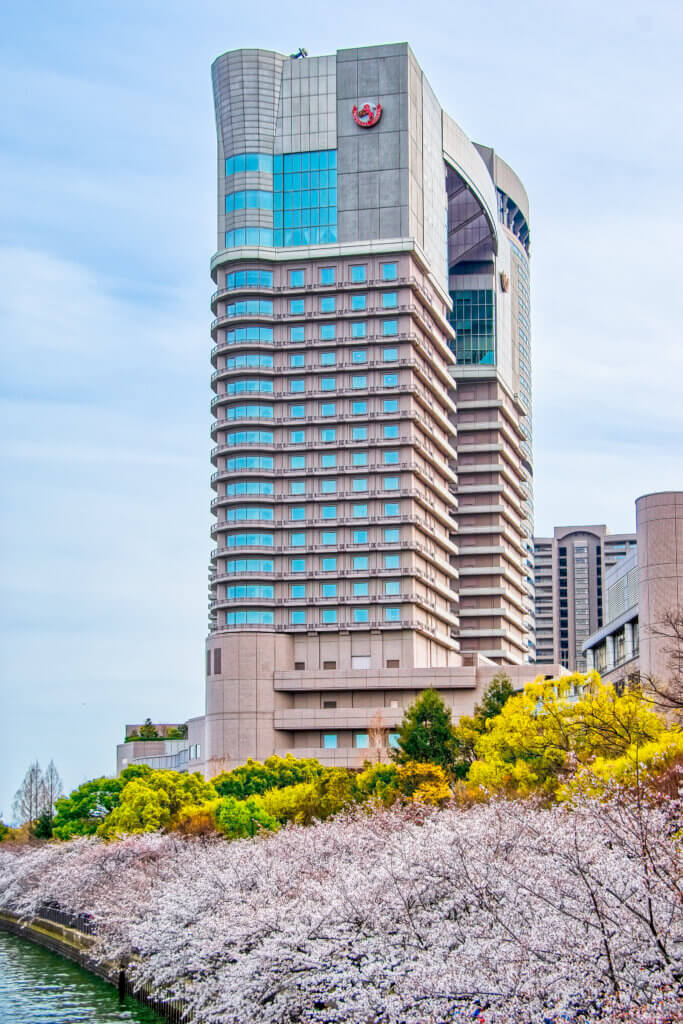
{"points": [[107, 224]]}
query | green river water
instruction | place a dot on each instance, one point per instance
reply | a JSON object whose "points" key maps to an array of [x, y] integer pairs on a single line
{"points": [[40, 987]]}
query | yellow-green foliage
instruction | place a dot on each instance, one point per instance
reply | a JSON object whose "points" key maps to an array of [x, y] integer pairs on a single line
{"points": [[543, 732], [637, 764], [378, 783], [423, 783], [155, 801], [311, 801]]}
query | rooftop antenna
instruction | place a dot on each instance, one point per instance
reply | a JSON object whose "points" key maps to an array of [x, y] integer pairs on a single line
{"points": [[302, 52]]}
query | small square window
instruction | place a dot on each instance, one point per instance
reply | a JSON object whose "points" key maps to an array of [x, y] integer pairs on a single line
{"points": [[297, 486], [296, 279], [360, 537], [358, 274], [390, 355], [328, 434], [359, 458], [391, 536], [360, 483], [327, 275], [328, 486], [328, 408], [329, 590], [393, 736], [390, 430], [390, 483], [297, 412], [328, 461], [360, 561], [327, 304], [330, 741], [392, 614], [329, 512], [359, 433], [329, 615], [361, 589], [328, 358], [297, 436], [328, 384], [361, 740], [390, 458], [360, 511], [391, 508], [296, 359], [297, 462], [297, 564], [389, 327], [329, 703], [359, 329], [390, 380], [390, 405], [297, 590], [296, 334], [298, 616], [328, 537], [359, 408], [296, 306], [392, 587], [359, 382], [359, 355], [389, 271], [358, 301], [329, 564], [392, 561], [390, 300], [297, 385], [297, 512], [297, 540], [327, 332]]}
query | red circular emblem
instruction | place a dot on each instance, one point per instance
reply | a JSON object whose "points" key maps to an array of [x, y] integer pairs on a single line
{"points": [[367, 116]]}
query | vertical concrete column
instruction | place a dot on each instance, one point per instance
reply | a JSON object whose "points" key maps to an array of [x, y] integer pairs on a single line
{"points": [[590, 661], [628, 641], [609, 660]]}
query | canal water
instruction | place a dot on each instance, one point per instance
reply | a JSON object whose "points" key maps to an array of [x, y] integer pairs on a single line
{"points": [[40, 987]]}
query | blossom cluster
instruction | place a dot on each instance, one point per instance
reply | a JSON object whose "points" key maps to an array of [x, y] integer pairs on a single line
{"points": [[502, 913]]}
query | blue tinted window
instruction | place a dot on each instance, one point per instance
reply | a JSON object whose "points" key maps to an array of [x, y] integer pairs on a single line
{"points": [[360, 561], [358, 301], [329, 589], [329, 615], [251, 199], [297, 436], [297, 540], [240, 412], [359, 355], [296, 359], [361, 589], [297, 590], [390, 380], [297, 486], [359, 382], [328, 384], [305, 201], [390, 458], [390, 300], [327, 304], [297, 385], [389, 271], [328, 434], [297, 565], [389, 327], [297, 412], [249, 565], [296, 279], [329, 564], [392, 614], [297, 461], [390, 404], [359, 329], [328, 409], [359, 408], [297, 512], [242, 590], [328, 461], [298, 616], [360, 511], [391, 508], [257, 540], [249, 616], [249, 437], [296, 333], [390, 355], [329, 512], [328, 537], [328, 358], [327, 275], [393, 740], [249, 162], [360, 483], [359, 433], [392, 561], [391, 536], [327, 332], [296, 306], [249, 279], [390, 430], [360, 615], [392, 587], [235, 337], [330, 740], [248, 236], [358, 274], [328, 486], [250, 307], [360, 537], [359, 458]]}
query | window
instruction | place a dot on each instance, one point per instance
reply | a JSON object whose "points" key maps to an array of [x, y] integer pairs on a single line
{"points": [[393, 740], [361, 740], [328, 384], [296, 359], [249, 462], [298, 617], [305, 198], [329, 564], [297, 512], [390, 483], [329, 590], [359, 458], [249, 565], [297, 540], [389, 271], [242, 513], [248, 412], [296, 334], [330, 740], [242, 590], [359, 408], [296, 306], [389, 327], [390, 300], [249, 162], [297, 385], [297, 565], [392, 561], [390, 405], [249, 487], [249, 279], [297, 412], [297, 436], [328, 408], [329, 512], [328, 461], [249, 199], [327, 275], [329, 615], [328, 358], [392, 587], [358, 301], [328, 486], [392, 614], [241, 387], [391, 536], [297, 462], [390, 380], [250, 616], [359, 433], [360, 615], [391, 508], [216, 660], [473, 318], [249, 359], [329, 664], [249, 437], [250, 540], [240, 334], [360, 537], [248, 236], [358, 274], [390, 458], [328, 537], [390, 430], [360, 511], [328, 434], [329, 703], [250, 307], [361, 589], [360, 561], [359, 329], [359, 355], [327, 332], [297, 590], [359, 382], [390, 355], [296, 279], [327, 304], [360, 483]]}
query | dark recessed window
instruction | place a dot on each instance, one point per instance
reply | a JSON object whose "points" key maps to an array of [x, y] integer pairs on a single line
{"points": [[329, 664], [216, 661], [300, 666], [329, 703]]}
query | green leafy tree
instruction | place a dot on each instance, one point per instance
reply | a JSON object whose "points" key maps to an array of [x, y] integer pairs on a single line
{"points": [[470, 728], [155, 801], [83, 811], [237, 819], [148, 731], [4, 831], [426, 733], [255, 777], [42, 826], [378, 782], [176, 732]]}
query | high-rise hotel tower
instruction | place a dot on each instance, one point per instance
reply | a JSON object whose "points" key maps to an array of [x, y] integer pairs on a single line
{"points": [[372, 407]]}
